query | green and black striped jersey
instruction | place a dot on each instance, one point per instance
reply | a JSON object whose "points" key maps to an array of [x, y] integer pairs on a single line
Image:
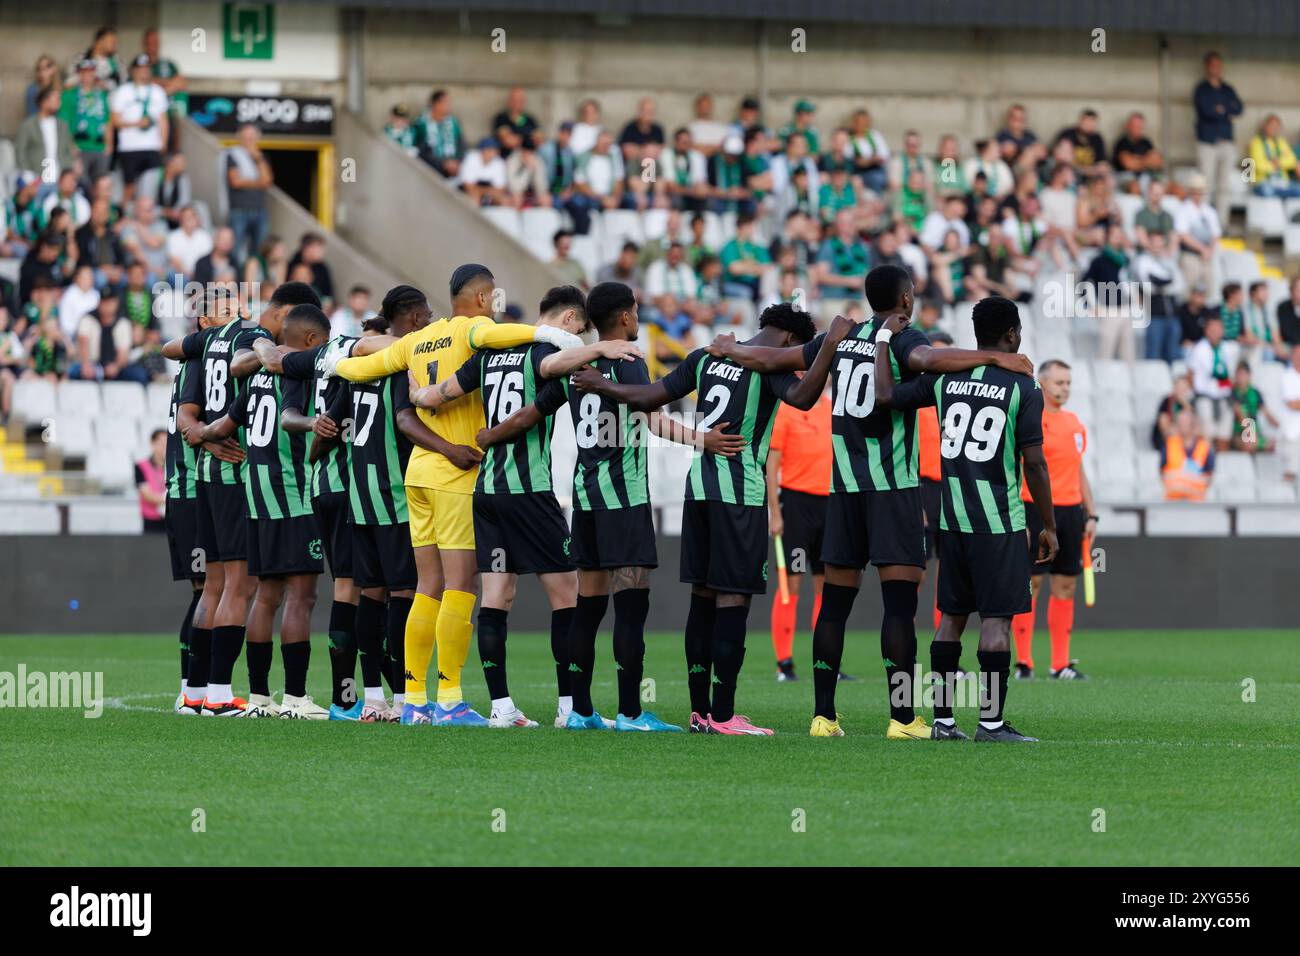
{"points": [[182, 472], [330, 474], [511, 379], [611, 471], [215, 347], [379, 450], [746, 401], [874, 449], [276, 479], [987, 417]]}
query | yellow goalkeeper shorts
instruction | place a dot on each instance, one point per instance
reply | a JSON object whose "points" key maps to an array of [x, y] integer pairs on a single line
{"points": [[442, 518]]}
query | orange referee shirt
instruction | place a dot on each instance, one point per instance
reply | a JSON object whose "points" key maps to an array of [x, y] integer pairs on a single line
{"points": [[927, 437], [804, 441], [1064, 440]]}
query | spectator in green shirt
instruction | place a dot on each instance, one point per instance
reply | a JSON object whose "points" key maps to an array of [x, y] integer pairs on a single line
{"points": [[836, 193], [1153, 217], [744, 262], [84, 108], [727, 177], [1247, 404], [1231, 311], [400, 130], [843, 260], [439, 137], [802, 123]]}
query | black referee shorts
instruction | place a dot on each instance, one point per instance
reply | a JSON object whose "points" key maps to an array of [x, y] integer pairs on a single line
{"points": [[804, 516], [876, 527], [222, 521], [614, 538], [724, 546], [1070, 521], [986, 574], [332, 513], [932, 502], [182, 539], [520, 534], [382, 557]]}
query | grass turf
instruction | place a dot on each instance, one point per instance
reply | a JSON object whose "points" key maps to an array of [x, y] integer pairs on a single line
{"points": [[1160, 739]]}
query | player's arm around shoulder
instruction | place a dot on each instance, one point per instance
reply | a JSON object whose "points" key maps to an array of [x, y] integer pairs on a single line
{"points": [[365, 365], [803, 393], [915, 393], [914, 351], [560, 363], [760, 358]]}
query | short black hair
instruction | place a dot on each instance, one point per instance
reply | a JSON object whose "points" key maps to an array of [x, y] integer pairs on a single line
{"points": [[217, 293], [785, 316], [295, 293], [400, 300], [311, 315], [940, 337], [993, 317], [885, 285], [467, 273], [564, 297], [606, 301]]}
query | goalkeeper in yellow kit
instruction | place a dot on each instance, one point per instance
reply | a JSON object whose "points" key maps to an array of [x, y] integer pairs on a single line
{"points": [[440, 486]]}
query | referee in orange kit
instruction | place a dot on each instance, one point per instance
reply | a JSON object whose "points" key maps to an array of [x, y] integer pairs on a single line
{"points": [[1064, 441], [798, 486]]}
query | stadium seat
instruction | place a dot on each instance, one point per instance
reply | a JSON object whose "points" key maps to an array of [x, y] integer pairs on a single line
{"points": [[1265, 216], [1116, 468], [111, 467], [79, 398], [1114, 410], [1187, 521], [105, 517], [1081, 377], [1232, 493], [654, 224], [118, 432], [587, 254], [1234, 468], [538, 227], [1277, 493], [126, 399], [1115, 492], [34, 399], [1113, 377], [505, 219], [622, 225], [715, 236], [158, 400], [1269, 522], [30, 517], [1129, 207], [1152, 377], [1291, 241], [73, 435]]}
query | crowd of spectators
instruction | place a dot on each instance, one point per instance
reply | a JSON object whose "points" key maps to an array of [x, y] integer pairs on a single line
{"points": [[100, 216], [810, 208]]}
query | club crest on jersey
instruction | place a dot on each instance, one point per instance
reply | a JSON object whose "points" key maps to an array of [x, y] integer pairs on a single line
{"points": [[314, 549]]}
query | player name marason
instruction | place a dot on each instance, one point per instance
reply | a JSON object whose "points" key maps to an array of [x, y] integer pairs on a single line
{"points": [[978, 389], [724, 369]]}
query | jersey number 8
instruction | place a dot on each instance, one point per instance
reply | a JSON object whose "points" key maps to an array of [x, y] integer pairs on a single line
{"points": [[983, 428]]}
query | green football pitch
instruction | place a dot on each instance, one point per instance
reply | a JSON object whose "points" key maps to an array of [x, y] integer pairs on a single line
{"points": [[1156, 760]]}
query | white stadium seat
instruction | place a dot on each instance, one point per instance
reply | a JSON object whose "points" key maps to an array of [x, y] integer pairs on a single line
{"points": [[125, 399], [24, 517], [538, 229], [34, 400], [1265, 216], [1113, 377], [112, 431], [505, 219], [79, 397], [73, 435], [158, 400], [111, 467], [1187, 521], [1152, 377], [587, 253]]}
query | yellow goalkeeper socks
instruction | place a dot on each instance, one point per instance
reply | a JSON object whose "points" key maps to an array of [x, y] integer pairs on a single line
{"points": [[421, 626], [455, 629]]}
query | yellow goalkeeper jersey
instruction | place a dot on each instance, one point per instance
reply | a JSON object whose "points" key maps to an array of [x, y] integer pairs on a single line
{"points": [[434, 354]]}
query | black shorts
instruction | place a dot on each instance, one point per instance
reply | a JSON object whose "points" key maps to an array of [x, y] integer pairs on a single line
{"points": [[222, 519], [984, 573], [1070, 520], [520, 534], [724, 546], [282, 546], [804, 516], [932, 502], [382, 557], [880, 527], [614, 538], [182, 539], [332, 512], [137, 161]]}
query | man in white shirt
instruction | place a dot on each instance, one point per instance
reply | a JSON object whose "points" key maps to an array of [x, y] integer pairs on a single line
{"points": [[1289, 415], [1211, 362], [671, 276], [483, 175], [67, 196], [1198, 227], [188, 244], [706, 133], [79, 299], [938, 223], [139, 113], [583, 136], [869, 153], [599, 173]]}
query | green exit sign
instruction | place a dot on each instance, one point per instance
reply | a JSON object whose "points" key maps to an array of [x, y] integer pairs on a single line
{"points": [[248, 30]]}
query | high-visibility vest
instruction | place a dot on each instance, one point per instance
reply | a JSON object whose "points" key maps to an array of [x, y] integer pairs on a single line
{"points": [[1184, 480]]}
